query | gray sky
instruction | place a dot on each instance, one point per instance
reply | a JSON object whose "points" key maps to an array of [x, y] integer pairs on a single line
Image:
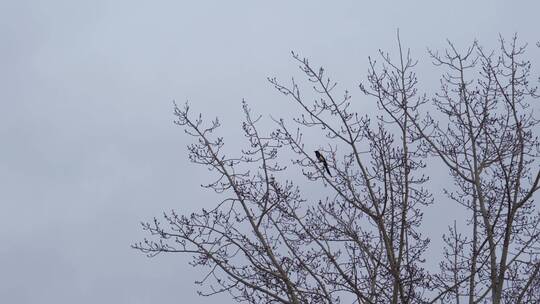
{"points": [[88, 144]]}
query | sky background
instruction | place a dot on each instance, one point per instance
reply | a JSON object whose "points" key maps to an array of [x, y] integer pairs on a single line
{"points": [[88, 144]]}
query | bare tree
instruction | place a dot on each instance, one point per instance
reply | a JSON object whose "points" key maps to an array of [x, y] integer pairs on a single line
{"points": [[491, 151], [265, 242]]}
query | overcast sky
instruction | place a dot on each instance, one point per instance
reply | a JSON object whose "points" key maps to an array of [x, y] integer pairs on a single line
{"points": [[88, 148]]}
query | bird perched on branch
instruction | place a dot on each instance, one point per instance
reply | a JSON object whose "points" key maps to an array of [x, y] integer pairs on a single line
{"points": [[321, 159]]}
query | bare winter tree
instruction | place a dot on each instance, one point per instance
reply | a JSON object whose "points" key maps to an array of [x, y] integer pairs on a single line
{"points": [[491, 151], [267, 242]]}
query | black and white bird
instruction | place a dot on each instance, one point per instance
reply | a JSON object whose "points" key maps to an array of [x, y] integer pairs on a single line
{"points": [[321, 159]]}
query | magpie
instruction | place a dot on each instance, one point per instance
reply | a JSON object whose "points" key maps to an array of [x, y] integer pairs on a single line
{"points": [[321, 159]]}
